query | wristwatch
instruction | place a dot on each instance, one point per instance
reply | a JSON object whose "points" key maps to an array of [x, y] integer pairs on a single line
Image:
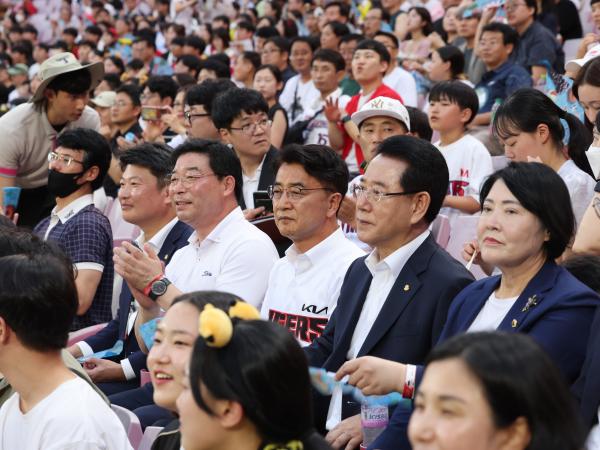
{"points": [[158, 288]]}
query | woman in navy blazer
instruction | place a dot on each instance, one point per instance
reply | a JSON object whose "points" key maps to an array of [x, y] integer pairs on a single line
{"points": [[526, 223]]}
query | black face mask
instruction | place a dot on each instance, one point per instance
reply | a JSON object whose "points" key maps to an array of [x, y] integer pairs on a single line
{"points": [[62, 184]]}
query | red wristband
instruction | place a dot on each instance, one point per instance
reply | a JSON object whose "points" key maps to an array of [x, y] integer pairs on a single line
{"points": [[147, 289]]}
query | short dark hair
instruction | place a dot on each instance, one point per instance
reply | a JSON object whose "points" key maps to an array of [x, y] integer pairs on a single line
{"points": [[245, 25], [538, 394], [509, 34], [221, 70], [266, 32], [425, 16], [318, 161], [93, 29], [117, 62], [586, 268], [330, 56], [532, 4], [205, 92], [280, 42], [113, 80], [192, 62], [455, 91], [310, 41], [252, 57], [426, 169], [132, 91], [74, 83], [222, 160], [351, 37], [338, 28], [343, 8], [38, 299], [377, 47], [389, 35], [163, 85], [222, 18], [419, 123], [541, 191], [231, 103], [456, 58], [273, 69], [95, 147], [153, 156], [148, 38], [177, 28], [71, 31], [221, 57], [195, 42]]}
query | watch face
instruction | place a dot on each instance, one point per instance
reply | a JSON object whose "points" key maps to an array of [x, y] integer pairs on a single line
{"points": [[159, 287]]}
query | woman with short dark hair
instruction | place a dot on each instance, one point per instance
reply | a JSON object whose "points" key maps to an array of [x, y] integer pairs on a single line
{"points": [[493, 391]]}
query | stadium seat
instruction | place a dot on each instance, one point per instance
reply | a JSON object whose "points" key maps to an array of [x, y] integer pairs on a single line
{"points": [[440, 229], [131, 424], [84, 333], [149, 437]]}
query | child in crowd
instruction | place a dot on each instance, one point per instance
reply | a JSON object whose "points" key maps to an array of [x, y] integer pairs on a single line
{"points": [[452, 106]]}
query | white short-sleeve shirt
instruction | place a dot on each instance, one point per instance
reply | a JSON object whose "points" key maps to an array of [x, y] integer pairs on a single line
{"points": [[235, 257]]}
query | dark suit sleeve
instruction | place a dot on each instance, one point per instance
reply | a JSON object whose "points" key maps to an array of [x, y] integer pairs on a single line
{"points": [[138, 362], [106, 337], [320, 349], [572, 318]]}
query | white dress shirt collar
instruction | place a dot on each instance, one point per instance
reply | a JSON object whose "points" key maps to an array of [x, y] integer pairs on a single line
{"points": [[304, 261], [72, 208], [395, 261], [235, 215], [156, 241]]}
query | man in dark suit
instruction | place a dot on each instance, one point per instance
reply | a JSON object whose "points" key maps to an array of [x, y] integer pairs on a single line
{"points": [[393, 302], [145, 202], [241, 116]]}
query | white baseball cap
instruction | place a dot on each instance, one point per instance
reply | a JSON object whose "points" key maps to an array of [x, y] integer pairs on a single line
{"points": [[575, 64], [105, 99], [382, 106]]}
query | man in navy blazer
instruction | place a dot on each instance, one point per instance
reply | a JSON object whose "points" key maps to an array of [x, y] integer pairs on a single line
{"points": [[393, 303], [145, 202]]}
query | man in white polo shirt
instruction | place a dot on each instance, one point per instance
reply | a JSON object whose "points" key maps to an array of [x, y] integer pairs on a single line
{"points": [[29, 131], [226, 252], [304, 286]]}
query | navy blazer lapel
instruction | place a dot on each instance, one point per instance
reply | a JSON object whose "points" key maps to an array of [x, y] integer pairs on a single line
{"points": [[404, 289], [267, 175], [533, 294], [173, 240], [470, 308]]}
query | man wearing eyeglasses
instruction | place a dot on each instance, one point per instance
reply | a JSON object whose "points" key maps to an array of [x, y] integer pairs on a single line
{"points": [[198, 103], [393, 302], [241, 116], [225, 252], [304, 286], [77, 168], [537, 45]]}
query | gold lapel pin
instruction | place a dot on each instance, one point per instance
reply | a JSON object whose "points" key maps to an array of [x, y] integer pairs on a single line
{"points": [[514, 323], [406, 288]]}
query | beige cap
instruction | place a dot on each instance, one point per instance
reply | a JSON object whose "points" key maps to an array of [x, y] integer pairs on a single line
{"points": [[64, 63], [382, 106], [105, 99]]}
